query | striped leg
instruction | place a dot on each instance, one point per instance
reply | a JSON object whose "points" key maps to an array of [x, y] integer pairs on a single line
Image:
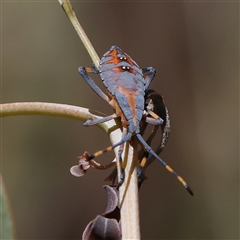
{"points": [[150, 150]]}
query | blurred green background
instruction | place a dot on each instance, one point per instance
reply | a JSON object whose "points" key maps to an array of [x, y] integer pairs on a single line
{"points": [[194, 46]]}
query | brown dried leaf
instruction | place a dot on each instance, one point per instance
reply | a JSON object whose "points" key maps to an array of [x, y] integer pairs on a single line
{"points": [[80, 169], [105, 226]]}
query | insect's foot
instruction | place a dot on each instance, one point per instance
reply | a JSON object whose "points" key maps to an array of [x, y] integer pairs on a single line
{"points": [[119, 184], [88, 122], [90, 157], [189, 190]]}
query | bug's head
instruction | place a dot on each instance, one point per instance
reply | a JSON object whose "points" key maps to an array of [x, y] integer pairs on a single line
{"points": [[118, 53]]}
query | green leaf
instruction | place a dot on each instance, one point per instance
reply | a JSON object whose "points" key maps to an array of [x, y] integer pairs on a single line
{"points": [[6, 225]]}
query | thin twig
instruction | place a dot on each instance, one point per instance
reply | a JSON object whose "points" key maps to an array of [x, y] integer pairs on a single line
{"points": [[67, 8]]}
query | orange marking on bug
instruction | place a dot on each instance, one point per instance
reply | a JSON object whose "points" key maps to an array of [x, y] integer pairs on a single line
{"points": [[132, 102], [115, 59], [169, 168], [131, 98], [98, 153], [113, 53], [128, 60], [114, 104], [154, 115], [182, 181], [108, 149], [143, 162], [88, 69]]}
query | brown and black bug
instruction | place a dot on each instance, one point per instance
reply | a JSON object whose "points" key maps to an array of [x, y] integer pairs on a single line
{"points": [[126, 87]]}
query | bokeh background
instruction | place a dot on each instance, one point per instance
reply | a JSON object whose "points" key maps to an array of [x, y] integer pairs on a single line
{"points": [[194, 46]]}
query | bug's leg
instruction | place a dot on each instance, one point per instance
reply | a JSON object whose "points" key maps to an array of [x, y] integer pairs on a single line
{"points": [[150, 74], [98, 153], [144, 156], [122, 168], [155, 119], [125, 137], [91, 122], [162, 111], [141, 170], [146, 161], [150, 150], [157, 105], [84, 73]]}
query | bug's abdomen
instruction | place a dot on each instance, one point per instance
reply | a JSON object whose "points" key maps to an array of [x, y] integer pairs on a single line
{"points": [[132, 107]]}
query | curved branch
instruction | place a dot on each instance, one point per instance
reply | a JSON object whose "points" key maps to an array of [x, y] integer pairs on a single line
{"points": [[49, 109], [112, 127]]}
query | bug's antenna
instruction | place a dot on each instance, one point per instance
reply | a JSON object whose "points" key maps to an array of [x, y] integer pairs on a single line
{"points": [[150, 150]]}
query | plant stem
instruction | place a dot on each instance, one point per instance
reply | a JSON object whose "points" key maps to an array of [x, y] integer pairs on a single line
{"points": [[129, 194], [42, 108], [67, 8]]}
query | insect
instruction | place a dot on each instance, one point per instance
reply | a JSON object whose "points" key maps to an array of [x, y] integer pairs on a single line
{"points": [[126, 87]]}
